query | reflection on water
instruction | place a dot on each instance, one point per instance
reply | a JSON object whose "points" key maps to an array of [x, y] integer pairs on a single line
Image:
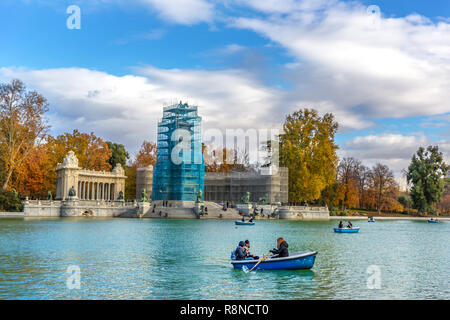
{"points": [[189, 259]]}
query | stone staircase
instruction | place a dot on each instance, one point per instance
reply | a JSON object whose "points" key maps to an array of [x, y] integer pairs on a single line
{"points": [[215, 211], [170, 213]]}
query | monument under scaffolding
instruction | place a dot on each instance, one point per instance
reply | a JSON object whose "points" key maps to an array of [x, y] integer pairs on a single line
{"points": [[180, 169]]}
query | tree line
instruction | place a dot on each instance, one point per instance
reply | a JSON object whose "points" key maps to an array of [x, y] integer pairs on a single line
{"points": [[29, 156]]}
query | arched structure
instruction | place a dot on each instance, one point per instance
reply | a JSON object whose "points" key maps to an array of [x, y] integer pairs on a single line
{"points": [[89, 184]]}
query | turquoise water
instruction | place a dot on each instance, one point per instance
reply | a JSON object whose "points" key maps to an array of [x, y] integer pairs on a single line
{"points": [[189, 259]]}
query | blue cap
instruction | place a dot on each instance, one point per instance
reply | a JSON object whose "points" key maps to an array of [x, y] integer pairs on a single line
{"points": [[241, 243]]}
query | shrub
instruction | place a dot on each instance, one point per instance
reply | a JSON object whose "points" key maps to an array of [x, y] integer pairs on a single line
{"points": [[10, 201]]}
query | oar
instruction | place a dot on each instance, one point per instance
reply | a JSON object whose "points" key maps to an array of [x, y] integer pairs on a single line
{"points": [[263, 258]]}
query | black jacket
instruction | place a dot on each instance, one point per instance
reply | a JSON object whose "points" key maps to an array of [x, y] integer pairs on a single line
{"points": [[282, 251]]}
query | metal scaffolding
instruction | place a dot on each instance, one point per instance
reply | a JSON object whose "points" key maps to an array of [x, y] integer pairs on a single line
{"points": [[172, 181]]}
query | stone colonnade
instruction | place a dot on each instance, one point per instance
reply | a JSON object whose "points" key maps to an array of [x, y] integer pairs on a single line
{"points": [[96, 191], [88, 184]]}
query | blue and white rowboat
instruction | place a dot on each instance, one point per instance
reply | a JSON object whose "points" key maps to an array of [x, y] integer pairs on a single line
{"points": [[295, 261], [346, 230], [240, 223], [433, 221]]}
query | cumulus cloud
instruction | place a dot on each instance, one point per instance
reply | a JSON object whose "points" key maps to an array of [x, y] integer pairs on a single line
{"points": [[392, 149], [375, 66], [183, 11], [126, 109]]}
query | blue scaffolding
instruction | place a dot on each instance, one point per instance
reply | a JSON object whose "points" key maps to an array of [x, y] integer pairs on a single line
{"points": [[183, 181]]}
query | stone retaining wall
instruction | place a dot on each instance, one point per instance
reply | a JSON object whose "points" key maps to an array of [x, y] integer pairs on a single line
{"points": [[304, 213]]}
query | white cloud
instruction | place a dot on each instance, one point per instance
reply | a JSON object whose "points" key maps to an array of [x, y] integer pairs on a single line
{"points": [[394, 150], [386, 67], [126, 109], [183, 11]]}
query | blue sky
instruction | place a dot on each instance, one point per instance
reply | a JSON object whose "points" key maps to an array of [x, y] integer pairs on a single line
{"points": [[245, 63]]}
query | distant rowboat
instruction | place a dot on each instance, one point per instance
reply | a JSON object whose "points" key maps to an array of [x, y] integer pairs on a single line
{"points": [[346, 230], [433, 221], [244, 223]]}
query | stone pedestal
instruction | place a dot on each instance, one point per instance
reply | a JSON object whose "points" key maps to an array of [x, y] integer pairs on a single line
{"points": [[144, 207], [245, 208], [198, 207]]}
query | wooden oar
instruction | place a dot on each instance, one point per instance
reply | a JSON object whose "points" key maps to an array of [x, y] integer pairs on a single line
{"points": [[263, 258]]}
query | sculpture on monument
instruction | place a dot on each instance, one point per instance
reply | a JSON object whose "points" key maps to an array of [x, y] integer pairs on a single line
{"points": [[120, 197], [144, 195], [263, 200], [72, 192], [246, 198], [199, 197], [71, 160], [49, 196]]}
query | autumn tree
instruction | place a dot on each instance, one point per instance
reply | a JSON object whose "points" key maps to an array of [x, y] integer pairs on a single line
{"points": [[92, 152], [362, 176], [36, 176], [22, 125], [146, 156], [425, 173], [348, 182], [308, 149], [218, 160], [383, 185]]}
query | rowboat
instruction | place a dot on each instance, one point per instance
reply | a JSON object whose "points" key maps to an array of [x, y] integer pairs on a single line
{"points": [[245, 223], [346, 230], [433, 221], [295, 261], [371, 221]]}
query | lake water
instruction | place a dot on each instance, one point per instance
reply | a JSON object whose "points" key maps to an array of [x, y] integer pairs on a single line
{"points": [[189, 259]]}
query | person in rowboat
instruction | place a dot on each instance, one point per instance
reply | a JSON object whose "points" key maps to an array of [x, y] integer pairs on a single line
{"points": [[247, 249], [282, 248], [341, 225], [349, 225], [240, 252]]}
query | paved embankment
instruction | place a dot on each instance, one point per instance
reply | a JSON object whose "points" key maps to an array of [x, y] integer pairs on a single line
{"points": [[11, 214], [387, 218]]}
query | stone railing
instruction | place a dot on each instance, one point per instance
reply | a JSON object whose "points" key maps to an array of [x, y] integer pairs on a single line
{"points": [[130, 203], [106, 174]]}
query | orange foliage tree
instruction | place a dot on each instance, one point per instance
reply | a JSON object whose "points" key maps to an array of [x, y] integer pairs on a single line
{"points": [[146, 156], [36, 175]]}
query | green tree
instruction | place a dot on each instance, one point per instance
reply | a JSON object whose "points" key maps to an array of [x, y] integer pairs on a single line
{"points": [[10, 201], [425, 174], [405, 201], [118, 154], [307, 148]]}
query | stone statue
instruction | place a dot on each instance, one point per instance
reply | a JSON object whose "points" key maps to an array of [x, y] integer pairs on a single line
{"points": [[120, 197], [72, 192], [49, 196], [118, 169], [71, 160], [246, 198], [263, 200], [144, 195], [199, 197]]}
